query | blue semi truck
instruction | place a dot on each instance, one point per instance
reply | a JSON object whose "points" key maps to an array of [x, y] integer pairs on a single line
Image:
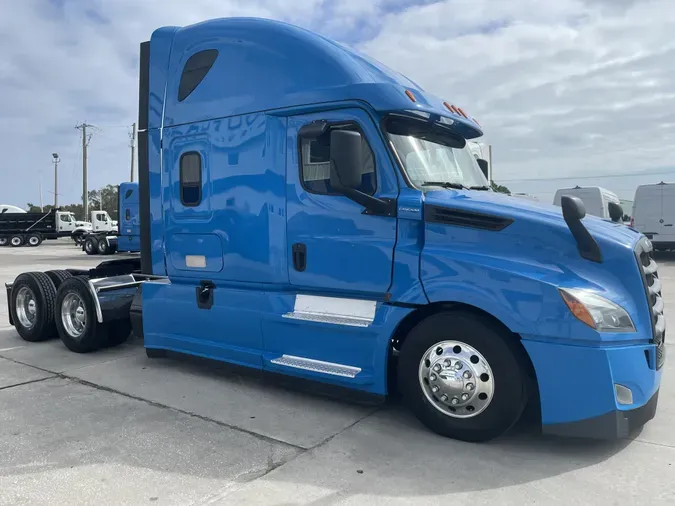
{"points": [[308, 212], [105, 238]]}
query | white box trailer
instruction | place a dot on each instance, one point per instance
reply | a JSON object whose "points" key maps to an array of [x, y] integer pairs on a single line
{"points": [[654, 213]]}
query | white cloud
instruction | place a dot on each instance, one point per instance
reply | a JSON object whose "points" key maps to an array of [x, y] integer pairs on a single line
{"points": [[560, 87]]}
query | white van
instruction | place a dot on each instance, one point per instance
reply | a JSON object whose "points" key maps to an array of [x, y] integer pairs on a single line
{"points": [[595, 198], [654, 213]]}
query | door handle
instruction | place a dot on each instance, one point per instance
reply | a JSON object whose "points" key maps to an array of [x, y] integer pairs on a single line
{"points": [[204, 293], [299, 256]]}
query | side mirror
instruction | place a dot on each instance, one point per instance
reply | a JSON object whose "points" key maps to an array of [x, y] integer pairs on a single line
{"points": [[483, 164], [573, 208], [626, 217], [345, 159], [615, 211]]}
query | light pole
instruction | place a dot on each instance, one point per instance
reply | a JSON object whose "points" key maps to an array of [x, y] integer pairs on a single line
{"points": [[56, 160]]}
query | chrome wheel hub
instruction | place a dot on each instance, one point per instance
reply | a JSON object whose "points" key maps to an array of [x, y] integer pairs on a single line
{"points": [[456, 379], [73, 315], [26, 308]]}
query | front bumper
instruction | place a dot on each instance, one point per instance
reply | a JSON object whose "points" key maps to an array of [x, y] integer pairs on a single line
{"points": [[577, 387], [613, 425]]}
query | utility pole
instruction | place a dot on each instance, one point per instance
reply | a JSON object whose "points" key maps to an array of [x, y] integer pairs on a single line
{"points": [[85, 143], [133, 150], [56, 160]]}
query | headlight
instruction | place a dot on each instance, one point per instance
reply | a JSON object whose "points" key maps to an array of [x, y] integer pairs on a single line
{"points": [[596, 311]]}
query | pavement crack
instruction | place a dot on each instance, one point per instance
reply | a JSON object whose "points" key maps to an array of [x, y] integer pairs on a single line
{"points": [[256, 435], [28, 382]]}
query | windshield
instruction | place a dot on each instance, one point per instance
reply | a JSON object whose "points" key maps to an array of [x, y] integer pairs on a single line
{"points": [[433, 156]]}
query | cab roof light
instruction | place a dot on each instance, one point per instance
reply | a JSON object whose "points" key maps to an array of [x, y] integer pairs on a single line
{"points": [[410, 96]]}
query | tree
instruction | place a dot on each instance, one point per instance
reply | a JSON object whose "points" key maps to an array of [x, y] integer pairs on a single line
{"points": [[499, 188], [107, 199]]}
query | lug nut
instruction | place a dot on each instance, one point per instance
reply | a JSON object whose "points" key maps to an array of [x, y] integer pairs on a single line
{"points": [[454, 400], [448, 362], [435, 389], [469, 386], [437, 368], [444, 398], [458, 366], [433, 377], [465, 397], [467, 374]]}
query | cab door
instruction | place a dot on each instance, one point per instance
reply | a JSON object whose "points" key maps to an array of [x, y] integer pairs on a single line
{"points": [[328, 323], [334, 246]]}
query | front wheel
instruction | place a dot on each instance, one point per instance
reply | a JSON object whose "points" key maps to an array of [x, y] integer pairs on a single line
{"points": [[463, 378]]}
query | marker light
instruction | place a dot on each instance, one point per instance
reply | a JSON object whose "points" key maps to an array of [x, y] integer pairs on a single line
{"points": [[410, 95]]}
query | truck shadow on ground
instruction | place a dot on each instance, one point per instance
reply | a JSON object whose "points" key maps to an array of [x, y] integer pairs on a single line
{"points": [[389, 453]]}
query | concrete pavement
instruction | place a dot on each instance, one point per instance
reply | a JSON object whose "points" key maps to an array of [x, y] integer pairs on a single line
{"points": [[114, 427]]}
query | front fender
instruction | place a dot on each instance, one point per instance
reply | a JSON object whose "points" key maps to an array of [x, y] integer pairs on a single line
{"points": [[514, 300]]}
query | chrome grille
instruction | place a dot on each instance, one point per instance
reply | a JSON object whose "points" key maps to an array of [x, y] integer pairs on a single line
{"points": [[644, 253]]}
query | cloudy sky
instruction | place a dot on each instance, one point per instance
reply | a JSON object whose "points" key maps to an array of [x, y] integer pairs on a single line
{"points": [[568, 91]]}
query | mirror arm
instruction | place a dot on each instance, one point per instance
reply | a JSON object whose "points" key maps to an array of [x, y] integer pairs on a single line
{"points": [[373, 205]]}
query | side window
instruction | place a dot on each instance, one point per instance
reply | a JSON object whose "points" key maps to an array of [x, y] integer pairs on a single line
{"points": [[315, 162], [195, 70], [127, 194], [191, 179]]}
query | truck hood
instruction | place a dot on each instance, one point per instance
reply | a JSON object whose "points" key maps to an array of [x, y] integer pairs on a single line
{"points": [[503, 205]]}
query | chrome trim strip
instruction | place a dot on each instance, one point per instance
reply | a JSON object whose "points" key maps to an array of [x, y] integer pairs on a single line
{"points": [[309, 364]]}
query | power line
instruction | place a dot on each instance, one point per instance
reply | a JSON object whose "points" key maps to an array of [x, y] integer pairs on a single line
{"points": [[639, 174]]}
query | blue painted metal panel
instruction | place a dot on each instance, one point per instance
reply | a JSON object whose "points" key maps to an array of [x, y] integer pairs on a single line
{"points": [[129, 224], [267, 79], [347, 251], [160, 52], [364, 347], [206, 246], [157, 198], [589, 392], [243, 197], [407, 283], [514, 274], [230, 331]]}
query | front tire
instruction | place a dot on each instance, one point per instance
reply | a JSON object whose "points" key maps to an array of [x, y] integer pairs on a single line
{"points": [[462, 377], [76, 320], [32, 305]]}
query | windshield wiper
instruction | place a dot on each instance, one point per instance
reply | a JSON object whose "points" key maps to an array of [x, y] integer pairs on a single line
{"points": [[481, 188], [445, 184]]}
